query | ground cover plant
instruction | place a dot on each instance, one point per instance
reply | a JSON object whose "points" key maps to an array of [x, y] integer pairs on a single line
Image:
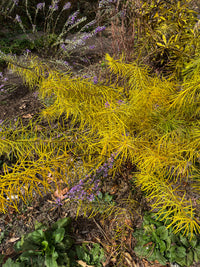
{"points": [[139, 124]]}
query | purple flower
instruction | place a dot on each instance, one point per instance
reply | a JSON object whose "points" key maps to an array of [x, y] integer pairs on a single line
{"points": [[16, 2], [1, 75], [5, 79], [63, 47], [120, 102], [99, 29], [67, 6], [18, 19], [40, 5], [35, 94], [59, 202], [86, 36], [54, 6], [1, 86], [66, 63], [123, 13], [95, 80], [90, 24], [107, 105], [72, 18], [92, 46]]}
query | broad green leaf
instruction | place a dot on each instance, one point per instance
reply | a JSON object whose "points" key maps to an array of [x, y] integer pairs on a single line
{"points": [[180, 252], [39, 225], [184, 241], [155, 238], [193, 241], [45, 245], [181, 261], [37, 236], [195, 256], [172, 254], [68, 241], [152, 256], [162, 246], [160, 258], [162, 232], [197, 250], [11, 263], [142, 251], [58, 235], [63, 260], [168, 243], [62, 223], [50, 259], [190, 258]]}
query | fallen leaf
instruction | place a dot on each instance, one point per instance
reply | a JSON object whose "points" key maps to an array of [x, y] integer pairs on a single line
{"points": [[27, 116], [82, 263], [22, 106], [13, 239], [60, 193]]}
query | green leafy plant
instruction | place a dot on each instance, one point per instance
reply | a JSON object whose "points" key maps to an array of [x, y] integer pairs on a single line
{"points": [[103, 201], [45, 246], [155, 241], [92, 256]]}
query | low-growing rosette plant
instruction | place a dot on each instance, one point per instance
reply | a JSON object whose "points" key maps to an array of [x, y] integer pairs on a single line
{"points": [[155, 241], [45, 246]]}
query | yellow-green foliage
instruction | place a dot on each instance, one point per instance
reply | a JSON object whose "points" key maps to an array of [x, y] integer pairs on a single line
{"points": [[166, 33], [151, 122]]}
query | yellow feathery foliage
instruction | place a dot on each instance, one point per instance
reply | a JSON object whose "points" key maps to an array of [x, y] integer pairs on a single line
{"points": [[146, 123], [32, 70]]}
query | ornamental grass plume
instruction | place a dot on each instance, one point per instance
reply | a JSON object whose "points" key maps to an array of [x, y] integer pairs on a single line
{"points": [[54, 38]]}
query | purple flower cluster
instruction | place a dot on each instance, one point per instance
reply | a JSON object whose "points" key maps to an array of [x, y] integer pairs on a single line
{"points": [[2, 85], [16, 2], [95, 80], [18, 19], [72, 18], [63, 47], [107, 166], [86, 36], [88, 188], [99, 29], [120, 102], [85, 190], [107, 105], [54, 5], [91, 46], [67, 6], [40, 5]]}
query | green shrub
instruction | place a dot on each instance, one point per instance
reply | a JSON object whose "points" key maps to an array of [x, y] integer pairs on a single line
{"points": [[45, 246], [155, 241]]}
